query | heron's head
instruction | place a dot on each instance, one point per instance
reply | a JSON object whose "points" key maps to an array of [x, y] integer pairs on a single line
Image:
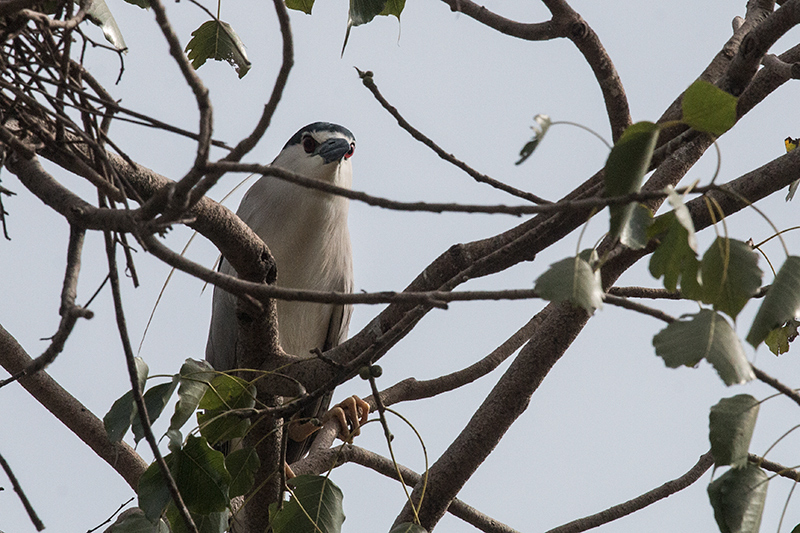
{"points": [[322, 151]]}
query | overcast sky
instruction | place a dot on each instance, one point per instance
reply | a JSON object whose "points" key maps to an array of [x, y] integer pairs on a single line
{"points": [[608, 423]]}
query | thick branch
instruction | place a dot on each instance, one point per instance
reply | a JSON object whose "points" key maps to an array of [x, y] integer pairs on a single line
{"points": [[71, 412]]}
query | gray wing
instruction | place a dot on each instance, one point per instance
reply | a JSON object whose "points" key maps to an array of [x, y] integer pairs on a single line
{"points": [[223, 332]]}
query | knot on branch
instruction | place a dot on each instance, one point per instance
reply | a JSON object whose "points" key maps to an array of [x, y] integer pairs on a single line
{"points": [[578, 29], [270, 268]]}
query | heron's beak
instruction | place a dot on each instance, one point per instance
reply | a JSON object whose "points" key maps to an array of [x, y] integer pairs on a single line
{"points": [[333, 150]]}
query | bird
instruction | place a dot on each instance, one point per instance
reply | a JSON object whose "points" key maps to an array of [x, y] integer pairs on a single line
{"points": [[306, 231]]}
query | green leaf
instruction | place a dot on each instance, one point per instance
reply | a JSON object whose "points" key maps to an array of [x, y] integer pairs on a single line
{"points": [[780, 305], [218, 40], [155, 399], [200, 475], [393, 7], [363, 11], [573, 280], [194, 379], [731, 425], [313, 496], [706, 335], [202, 479], [634, 233], [301, 5], [242, 465], [738, 498], [209, 523], [217, 426], [134, 521], [779, 338], [119, 417], [408, 527], [99, 14], [674, 258], [228, 392], [123, 411], [708, 108], [225, 393], [730, 275], [152, 490], [626, 167]]}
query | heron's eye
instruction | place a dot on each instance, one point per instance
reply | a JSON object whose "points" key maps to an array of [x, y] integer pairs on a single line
{"points": [[350, 152], [309, 144]]}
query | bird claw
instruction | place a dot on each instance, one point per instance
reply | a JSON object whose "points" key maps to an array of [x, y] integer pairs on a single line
{"points": [[351, 414]]}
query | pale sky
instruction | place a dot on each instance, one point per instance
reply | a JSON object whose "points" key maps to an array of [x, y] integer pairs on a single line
{"points": [[608, 423]]}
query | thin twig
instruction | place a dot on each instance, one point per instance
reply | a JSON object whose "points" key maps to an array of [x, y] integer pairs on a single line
{"points": [[410, 389], [181, 194], [70, 313], [645, 292], [369, 83], [347, 453], [640, 502], [516, 210], [772, 466], [249, 142], [777, 385], [18, 489], [135, 388], [640, 308]]}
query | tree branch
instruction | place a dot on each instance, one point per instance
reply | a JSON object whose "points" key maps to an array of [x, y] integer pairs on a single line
{"points": [[410, 389], [367, 79], [569, 24], [37, 523], [640, 502], [72, 413], [347, 453], [775, 384], [138, 399]]}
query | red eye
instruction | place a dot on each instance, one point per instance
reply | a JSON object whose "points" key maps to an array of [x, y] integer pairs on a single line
{"points": [[309, 144], [350, 152]]}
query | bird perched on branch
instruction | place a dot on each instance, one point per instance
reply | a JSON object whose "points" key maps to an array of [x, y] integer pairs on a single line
{"points": [[306, 231]]}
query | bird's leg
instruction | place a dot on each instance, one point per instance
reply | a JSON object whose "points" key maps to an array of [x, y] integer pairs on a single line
{"points": [[351, 414]]}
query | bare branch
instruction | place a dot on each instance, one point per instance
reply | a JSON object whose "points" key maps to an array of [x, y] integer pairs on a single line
{"points": [[70, 313], [72, 413], [249, 142], [37, 523], [135, 387], [369, 83], [644, 292], [184, 186], [777, 385], [410, 389], [639, 308], [772, 466], [640, 502], [347, 453], [756, 44], [569, 24]]}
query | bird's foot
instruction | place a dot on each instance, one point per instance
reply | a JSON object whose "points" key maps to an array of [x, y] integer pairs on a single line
{"points": [[351, 414]]}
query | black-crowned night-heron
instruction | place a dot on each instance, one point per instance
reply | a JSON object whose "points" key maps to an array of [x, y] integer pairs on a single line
{"points": [[306, 231]]}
